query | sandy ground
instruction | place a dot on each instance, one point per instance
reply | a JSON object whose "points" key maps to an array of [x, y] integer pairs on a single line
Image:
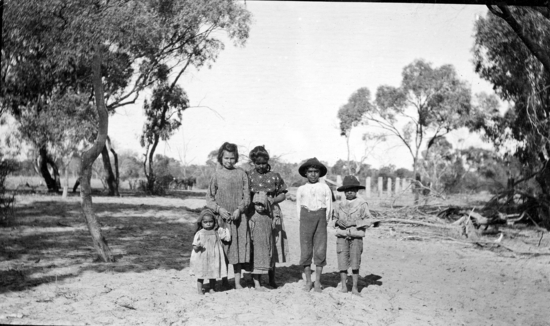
{"points": [[408, 276]]}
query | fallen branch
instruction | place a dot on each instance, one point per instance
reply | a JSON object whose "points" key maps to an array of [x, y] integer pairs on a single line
{"points": [[398, 220]]}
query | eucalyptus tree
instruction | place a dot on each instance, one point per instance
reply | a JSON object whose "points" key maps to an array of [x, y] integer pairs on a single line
{"points": [[351, 115], [429, 103], [108, 51], [512, 51]]}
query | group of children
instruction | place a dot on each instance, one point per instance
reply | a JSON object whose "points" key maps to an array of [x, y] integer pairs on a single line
{"points": [[249, 239]]}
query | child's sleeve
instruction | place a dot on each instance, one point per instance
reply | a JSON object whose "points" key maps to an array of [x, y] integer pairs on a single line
{"points": [[197, 240], [328, 200], [298, 201], [211, 194], [246, 193], [365, 216]]}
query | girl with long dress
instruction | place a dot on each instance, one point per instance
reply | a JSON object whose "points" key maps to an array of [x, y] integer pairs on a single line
{"points": [[207, 257], [261, 178], [229, 196]]}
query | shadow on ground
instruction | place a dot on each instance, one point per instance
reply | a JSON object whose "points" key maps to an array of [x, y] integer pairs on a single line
{"points": [[293, 274], [50, 241]]}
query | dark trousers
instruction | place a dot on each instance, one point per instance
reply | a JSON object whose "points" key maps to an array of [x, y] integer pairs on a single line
{"points": [[313, 237]]}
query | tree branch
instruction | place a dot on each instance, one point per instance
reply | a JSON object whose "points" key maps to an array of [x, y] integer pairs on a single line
{"points": [[533, 47]]}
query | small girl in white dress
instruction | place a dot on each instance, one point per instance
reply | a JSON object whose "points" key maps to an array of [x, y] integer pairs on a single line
{"points": [[207, 257]]}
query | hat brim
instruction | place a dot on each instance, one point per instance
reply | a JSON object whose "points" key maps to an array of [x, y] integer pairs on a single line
{"points": [[344, 188], [322, 169]]}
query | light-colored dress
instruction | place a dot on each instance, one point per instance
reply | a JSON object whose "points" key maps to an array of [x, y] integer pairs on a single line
{"points": [[229, 189], [273, 184], [209, 261]]}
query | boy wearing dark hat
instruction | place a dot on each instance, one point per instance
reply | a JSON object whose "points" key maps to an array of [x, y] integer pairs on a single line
{"points": [[314, 204], [352, 218]]}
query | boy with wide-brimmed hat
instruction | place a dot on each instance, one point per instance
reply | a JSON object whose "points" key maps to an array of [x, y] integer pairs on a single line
{"points": [[314, 204], [352, 218]]}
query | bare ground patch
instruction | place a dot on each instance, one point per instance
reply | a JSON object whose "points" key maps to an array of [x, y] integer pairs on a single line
{"points": [[410, 275]]}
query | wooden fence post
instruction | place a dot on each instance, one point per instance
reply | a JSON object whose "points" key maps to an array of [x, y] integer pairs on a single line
{"points": [[367, 187]]}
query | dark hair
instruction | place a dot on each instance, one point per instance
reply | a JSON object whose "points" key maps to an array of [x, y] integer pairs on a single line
{"points": [[205, 212], [228, 147], [258, 151]]}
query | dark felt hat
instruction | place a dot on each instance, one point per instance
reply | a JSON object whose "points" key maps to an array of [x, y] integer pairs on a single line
{"points": [[312, 162], [350, 182]]}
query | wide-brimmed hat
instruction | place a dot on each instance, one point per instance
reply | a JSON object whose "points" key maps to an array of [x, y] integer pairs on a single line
{"points": [[312, 162], [350, 182]]}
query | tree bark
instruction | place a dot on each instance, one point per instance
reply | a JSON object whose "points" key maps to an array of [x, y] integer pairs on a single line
{"points": [[109, 176], [43, 161], [416, 180], [115, 158], [151, 173], [88, 158]]}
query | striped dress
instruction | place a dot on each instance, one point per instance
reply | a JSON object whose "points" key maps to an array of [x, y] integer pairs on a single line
{"points": [[229, 189]]}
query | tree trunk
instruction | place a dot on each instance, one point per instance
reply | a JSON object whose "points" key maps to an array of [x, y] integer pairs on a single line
{"points": [[151, 173], [43, 168], [416, 182], [109, 176], [117, 173], [88, 158], [66, 186]]}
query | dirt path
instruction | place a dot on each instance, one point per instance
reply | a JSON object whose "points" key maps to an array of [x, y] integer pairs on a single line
{"points": [[48, 277]]}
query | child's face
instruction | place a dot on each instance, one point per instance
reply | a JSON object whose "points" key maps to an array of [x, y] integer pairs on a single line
{"points": [[228, 160], [351, 194], [259, 208], [312, 174], [261, 164], [208, 222]]}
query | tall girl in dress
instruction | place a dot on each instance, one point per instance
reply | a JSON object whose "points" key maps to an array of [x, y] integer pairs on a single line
{"points": [[207, 258], [263, 179], [229, 196]]}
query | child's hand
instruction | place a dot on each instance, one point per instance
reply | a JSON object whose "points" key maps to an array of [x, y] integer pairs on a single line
{"points": [[224, 213], [236, 215], [341, 223]]}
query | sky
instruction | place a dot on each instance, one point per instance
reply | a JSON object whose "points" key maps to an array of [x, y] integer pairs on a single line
{"points": [[300, 64]]}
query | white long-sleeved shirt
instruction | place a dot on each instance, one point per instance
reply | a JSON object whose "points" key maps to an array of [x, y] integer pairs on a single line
{"points": [[314, 196]]}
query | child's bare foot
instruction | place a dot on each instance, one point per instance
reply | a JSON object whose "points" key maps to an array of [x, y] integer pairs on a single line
{"points": [[344, 289], [212, 291], [200, 292], [318, 287], [238, 286], [260, 289], [355, 291], [308, 286]]}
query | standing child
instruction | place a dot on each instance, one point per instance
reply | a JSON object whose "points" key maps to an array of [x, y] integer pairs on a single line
{"points": [[207, 257], [314, 204], [351, 221], [261, 231], [229, 195]]}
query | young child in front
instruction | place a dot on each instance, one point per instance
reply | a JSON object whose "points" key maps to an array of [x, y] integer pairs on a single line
{"points": [[207, 257], [314, 204], [352, 218], [261, 232]]}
